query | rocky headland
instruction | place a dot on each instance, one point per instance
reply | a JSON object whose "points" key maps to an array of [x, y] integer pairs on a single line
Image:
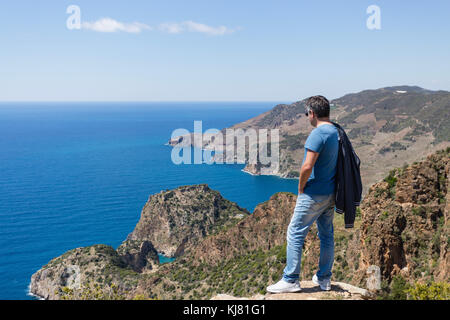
{"points": [[401, 235]]}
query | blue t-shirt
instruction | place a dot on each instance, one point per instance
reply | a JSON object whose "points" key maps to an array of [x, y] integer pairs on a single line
{"points": [[325, 140]]}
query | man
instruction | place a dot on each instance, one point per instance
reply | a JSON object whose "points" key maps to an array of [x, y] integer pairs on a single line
{"points": [[315, 201]]}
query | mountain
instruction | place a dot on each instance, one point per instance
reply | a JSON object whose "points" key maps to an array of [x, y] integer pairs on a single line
{"points": [[388, 127], [401, 229], [171, 221]]}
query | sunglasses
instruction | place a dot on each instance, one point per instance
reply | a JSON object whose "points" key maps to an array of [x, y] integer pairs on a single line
{"points": [[307, 112]]}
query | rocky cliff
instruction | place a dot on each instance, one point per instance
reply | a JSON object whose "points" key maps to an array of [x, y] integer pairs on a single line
{"points": [[405, 227], [263, 230], [173, 220], [401, 230], [79, 273]]}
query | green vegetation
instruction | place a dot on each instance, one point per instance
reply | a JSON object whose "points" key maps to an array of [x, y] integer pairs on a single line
{"points": [[378, 192], [293, 142], [243, 275], [395, 146], [415, 132], [429, 291], [390, 191], [408, 105], [91, 291], [293, 174], [363, 132], [400, 289], [391, 179], [395, 125], [281, 113], [397, 290], [418, 211]]}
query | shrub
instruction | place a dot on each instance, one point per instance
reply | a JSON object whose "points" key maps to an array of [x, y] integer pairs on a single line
{"points": [[378, 192], [281, 256], [293, 174], [429, 291], [391, 179], [399, 287]]}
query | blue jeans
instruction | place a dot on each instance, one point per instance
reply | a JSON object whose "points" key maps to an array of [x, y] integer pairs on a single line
{"points": [[310, 208]]}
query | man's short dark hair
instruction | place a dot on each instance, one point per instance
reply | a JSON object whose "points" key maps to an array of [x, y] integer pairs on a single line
{"points": [[320, 105]]}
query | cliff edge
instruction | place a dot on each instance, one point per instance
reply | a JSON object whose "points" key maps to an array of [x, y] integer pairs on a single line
{"points": [[401, 232]]}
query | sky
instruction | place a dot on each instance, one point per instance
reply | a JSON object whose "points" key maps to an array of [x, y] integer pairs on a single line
{"points": [[214, 50]]}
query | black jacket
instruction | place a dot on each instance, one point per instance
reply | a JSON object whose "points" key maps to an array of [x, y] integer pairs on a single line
{"points": [[348, 179]]}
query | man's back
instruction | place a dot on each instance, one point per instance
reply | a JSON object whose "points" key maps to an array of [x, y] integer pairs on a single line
{"points": [[325, 140]]}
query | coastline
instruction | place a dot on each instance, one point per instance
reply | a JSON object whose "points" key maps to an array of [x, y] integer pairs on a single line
{"points": [[272, 175], [147, 170], [31, 294]]}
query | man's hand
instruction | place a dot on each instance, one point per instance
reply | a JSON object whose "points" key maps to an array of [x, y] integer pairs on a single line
{"points": [[307, 167]]}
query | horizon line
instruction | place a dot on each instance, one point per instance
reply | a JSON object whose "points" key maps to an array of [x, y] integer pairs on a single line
{"points": [[131, 101], [206, 101]]}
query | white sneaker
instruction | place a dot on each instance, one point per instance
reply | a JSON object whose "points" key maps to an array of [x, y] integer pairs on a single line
{"points": [[284, 287], [324, 284]]}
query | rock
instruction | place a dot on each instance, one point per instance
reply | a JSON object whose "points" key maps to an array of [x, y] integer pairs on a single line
{"points": [[173, 220], [139, 255], [72, 272], [310, 291], [374, 278], [405, 227], [264, 229], [230, 297]]}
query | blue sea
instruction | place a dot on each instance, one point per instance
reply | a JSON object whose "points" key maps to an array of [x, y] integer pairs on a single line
{"points": [[78, 174]]}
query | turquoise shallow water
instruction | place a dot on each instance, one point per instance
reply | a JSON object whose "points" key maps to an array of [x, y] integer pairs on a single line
{"points": [[77, 174]]}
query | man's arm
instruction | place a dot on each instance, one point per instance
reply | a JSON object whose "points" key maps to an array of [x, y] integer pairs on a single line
{"points": [[307, 167]]}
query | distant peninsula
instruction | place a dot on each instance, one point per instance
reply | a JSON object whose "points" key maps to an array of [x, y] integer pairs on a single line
{"points": [[388, 127]]}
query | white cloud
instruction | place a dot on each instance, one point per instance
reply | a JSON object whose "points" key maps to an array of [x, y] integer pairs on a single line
{"points": [[111, 25], [192, 26], [171, 27], [199, 27]]}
